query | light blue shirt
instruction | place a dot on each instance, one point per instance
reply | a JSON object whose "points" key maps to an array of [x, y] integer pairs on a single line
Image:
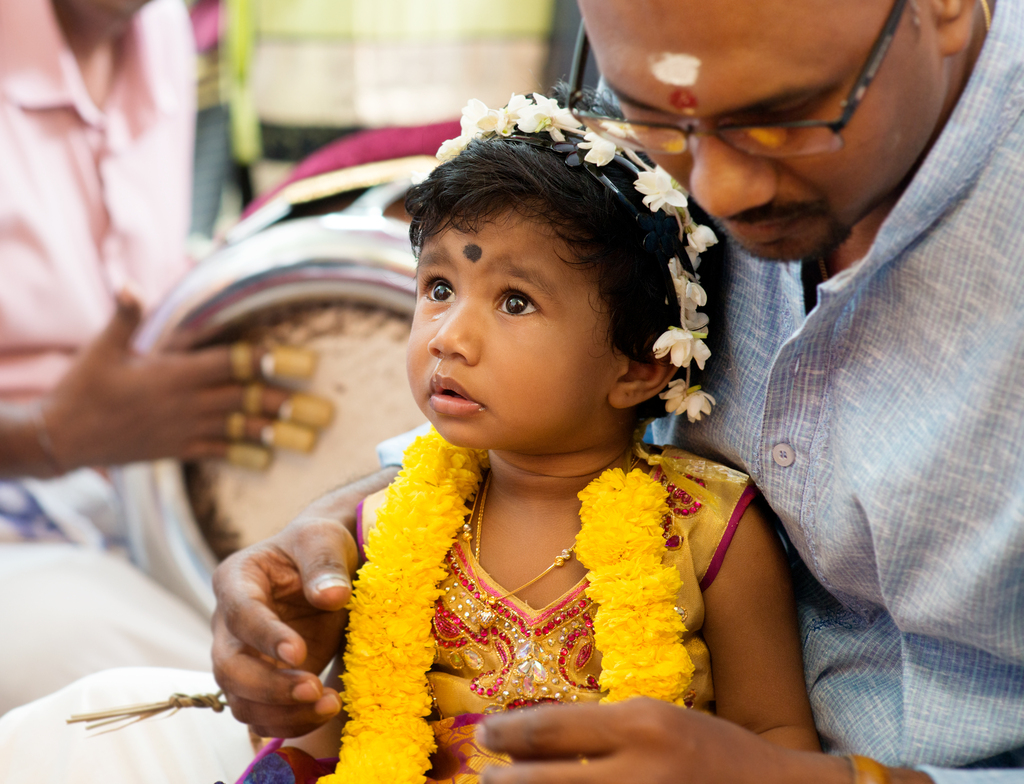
{"points": [[888, 435]]}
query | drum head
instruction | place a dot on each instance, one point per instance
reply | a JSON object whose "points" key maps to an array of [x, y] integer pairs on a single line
{"points": [[341, 284], [361, 369]]}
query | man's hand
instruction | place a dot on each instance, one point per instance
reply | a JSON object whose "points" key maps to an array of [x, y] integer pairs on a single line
{"points": [[647, 742], [114, 406], [279, 619]]}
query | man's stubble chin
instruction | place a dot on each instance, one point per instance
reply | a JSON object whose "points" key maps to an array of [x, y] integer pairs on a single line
{"points": [[815, 233]]}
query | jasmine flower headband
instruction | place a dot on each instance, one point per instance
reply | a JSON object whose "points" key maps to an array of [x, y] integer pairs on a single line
{"points": [[540, 121]]}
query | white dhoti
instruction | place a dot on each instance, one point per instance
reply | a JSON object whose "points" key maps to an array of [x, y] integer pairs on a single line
{"points": [[194, 746], [71, 609]]}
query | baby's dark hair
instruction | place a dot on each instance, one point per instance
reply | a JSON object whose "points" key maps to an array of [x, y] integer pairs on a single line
{"points": [[494, 177]]}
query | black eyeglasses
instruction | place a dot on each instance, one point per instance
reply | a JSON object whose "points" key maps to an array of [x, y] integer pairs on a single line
{"points": [[771, 140]]}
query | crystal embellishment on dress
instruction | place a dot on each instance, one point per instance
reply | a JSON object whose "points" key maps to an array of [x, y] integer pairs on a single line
{"points": [[528, 650], [473, 659], [513, 659]]}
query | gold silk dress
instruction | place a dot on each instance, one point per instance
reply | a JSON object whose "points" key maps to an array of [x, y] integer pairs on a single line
{"points": [[494, 654]]}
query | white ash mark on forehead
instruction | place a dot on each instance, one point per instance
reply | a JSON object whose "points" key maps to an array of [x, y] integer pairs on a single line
{"points": [[679, 70]]}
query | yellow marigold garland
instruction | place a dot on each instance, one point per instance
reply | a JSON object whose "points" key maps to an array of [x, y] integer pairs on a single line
{"points": [[637, 628], [390, 648]]}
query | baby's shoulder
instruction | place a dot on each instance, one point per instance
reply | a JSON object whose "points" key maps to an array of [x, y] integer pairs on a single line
{"points": [[706, 500], [679, 468]]}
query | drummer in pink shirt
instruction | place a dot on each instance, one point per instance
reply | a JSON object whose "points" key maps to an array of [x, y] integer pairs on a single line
{"points": [[96, 126], [95, 173]]}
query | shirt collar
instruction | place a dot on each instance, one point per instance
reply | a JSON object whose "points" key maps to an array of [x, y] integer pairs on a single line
{"points": [[991, 103], [38, 70]]}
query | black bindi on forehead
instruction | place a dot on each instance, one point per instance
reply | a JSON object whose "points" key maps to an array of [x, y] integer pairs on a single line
{"points": [[472, 252]]}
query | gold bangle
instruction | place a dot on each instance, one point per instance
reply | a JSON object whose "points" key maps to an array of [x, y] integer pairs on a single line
{"points": [[241, 361], [867, 771]]}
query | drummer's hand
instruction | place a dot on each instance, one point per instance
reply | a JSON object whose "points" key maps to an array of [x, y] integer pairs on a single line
{"points": [[279, 617], [114, 406]]}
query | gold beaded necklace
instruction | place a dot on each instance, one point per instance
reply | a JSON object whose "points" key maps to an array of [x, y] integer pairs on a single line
{"points": [[479, 504], [478, 512]]}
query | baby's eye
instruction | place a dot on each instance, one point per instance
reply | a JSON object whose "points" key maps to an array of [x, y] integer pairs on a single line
{"points": [[440, 291], [517, 305]]}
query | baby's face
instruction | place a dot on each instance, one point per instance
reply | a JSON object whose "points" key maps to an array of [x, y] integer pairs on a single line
{"points": [[510, 344]]}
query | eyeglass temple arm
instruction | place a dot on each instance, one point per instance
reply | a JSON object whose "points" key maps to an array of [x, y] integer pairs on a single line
{"points": [[579, 60]]}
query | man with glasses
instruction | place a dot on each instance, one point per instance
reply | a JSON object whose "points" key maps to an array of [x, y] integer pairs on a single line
{"points": [[871, 384]]}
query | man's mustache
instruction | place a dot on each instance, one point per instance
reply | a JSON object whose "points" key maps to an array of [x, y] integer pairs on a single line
{"points": [[780, 212]]}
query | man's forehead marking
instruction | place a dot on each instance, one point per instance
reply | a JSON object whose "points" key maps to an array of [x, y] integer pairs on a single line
{"points": [[683, 99], [676, 69], [472, 251]]}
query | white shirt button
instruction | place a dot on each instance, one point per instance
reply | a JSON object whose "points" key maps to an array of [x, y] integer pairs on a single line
{"points": [[783, 455]]}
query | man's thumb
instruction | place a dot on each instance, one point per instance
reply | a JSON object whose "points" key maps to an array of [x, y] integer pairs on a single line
{"points": [[326, 556]]}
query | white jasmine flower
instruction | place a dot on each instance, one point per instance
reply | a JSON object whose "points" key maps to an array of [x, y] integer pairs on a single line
{"points": [[472, 113], [695, 293], [505, 119], [478, 119], [674, 395], [689, 294], [517, 103], [701, 352], [659, 190], [701, 238], [544, 114], [500, 121], [693, 401], [677, 344], [419, 177], [601, 151], [451, 148], [681, 346]]}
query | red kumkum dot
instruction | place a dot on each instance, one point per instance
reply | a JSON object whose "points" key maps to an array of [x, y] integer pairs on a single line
{"points": [[681, 98]]}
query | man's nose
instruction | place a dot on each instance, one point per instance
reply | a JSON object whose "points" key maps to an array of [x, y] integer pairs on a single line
{"points": [[725, 181]]}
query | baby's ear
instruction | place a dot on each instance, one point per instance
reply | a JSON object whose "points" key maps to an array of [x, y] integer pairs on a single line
{"points": [[641, 381]]}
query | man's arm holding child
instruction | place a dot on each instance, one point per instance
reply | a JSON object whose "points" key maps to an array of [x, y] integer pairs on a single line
{"points": [[279, 619]]}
